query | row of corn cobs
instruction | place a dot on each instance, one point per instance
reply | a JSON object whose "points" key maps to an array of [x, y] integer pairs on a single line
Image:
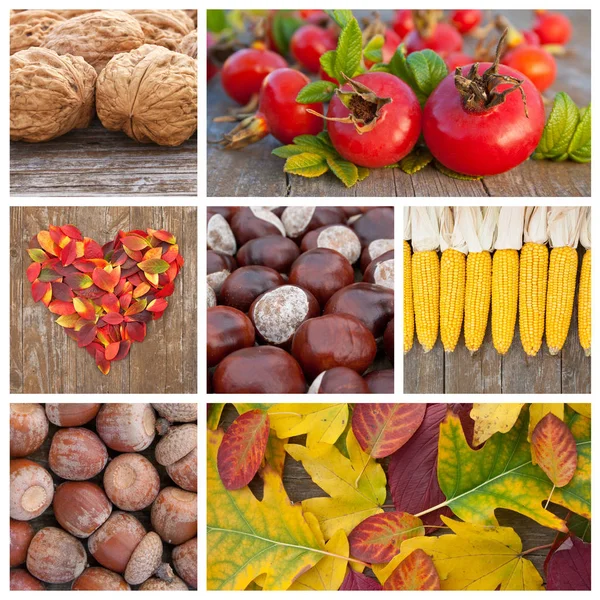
{"points": [[499, 258]]}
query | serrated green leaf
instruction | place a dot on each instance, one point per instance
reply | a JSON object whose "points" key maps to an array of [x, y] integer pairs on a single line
{"points": [[283, 27], [344, 170], [348, 56], [287, 151], [316, 91], [363, 173], [580, 148], [216, 20], [418, 159], [450, 173], [372, 51], [306, 164], [341, 17], [327, 61]]}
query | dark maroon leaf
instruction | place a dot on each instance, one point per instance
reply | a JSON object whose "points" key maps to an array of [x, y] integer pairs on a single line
{"points": [[357, 582], [61, 291], [64, 271], [87, 334], [570, 567]]}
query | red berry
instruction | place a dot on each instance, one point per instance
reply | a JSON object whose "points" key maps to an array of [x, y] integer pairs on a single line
{"points": [[245, 70], [390, 45], [553, 28], [403, 22], [309, 43], [535, 63], [478, 140], [458, 59], [395, 131], [466, 20], [313, 16], [444, 39], [325, 77], [530, 37]]}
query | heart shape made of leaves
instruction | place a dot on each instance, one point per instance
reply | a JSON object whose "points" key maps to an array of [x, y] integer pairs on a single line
{"points": [[104, 295]]}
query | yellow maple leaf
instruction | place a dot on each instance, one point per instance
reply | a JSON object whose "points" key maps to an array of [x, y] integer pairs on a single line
{"points": [[492, 418], [476, 557]]}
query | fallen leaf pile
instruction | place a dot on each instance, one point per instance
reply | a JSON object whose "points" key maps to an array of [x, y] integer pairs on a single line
{"points": [[104, 295], [447, 468]]}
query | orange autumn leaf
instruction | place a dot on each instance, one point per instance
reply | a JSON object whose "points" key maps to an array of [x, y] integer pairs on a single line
{"points": [[85, 308], [416, 572]]}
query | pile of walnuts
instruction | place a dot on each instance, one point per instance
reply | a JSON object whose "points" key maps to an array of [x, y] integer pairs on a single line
{"points": [[137, 67]]}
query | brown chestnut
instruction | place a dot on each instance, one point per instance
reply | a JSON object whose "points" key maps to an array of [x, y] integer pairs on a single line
{"points": [[97, 578], [227, 330], [299, 220], [80, 507], [381, 270], [322, 272], [381, 382], [245, 284], [374, 250], [126, 427], [254, 222], [333, 341], [388, 340], [28, 428], [218, 268], [374, 225], [277, 314], [71, 414], [219, 236], [21, 534], [174, 515], [335, 237], [259, 370], [272, 251], [21, 580], [31, 489], [225, 211], [339, 380], [77, 454], [372, 304]]}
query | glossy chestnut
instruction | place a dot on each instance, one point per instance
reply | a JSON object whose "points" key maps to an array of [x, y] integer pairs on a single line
{"points": [[272, 251], [339, 380], [335, 237], [388, 340], [254, 222], [381, 270], [374, 225], [245, 284], [374, 250], [218, 268], [299, 220], [227, 330], [381, 382]]}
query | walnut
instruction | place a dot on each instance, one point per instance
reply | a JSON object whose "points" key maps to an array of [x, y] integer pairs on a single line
{"points": [[192, 14], [49, 94], [69, 14], [96, 36], [189, 44], [150, 94], [163, 27], [30, 28]]}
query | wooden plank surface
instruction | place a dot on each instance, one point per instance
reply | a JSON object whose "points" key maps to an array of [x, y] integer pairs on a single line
{"points": [[299, 486], [254, 171], [486, 372], [98, 162], [45, 360], [47, 518]]}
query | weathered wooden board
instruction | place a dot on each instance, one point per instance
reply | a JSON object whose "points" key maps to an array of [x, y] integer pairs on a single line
{"points": [[98, 162], [44, 360], [254, 171]]}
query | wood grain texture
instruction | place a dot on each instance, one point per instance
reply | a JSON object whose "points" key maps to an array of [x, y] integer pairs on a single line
{"points": [[254, 171], [45, 360], [98, 162], [486, 372]]}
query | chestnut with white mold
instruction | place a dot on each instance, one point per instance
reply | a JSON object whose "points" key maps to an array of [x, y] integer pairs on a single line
{"points": [[374, 250], [254, 222], [299, 220], [334, 237], [219, 236], [381, 270]]}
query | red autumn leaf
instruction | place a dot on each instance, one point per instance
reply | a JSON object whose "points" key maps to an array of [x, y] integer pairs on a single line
{"points": [[164, 236], [153, 253], [123, 350], [112, 350], [171, 254], [355, 582], [157, 305], [86, 334], [91, 293], [113, 318], [134, 242], [85, 265], [166, 291], [243, 448], [570, 567], [136, 332], [110, 303], [62, 291], [381, 429], [416, 572], [153, 266], [102, 362], [141, 317], [141, 290], [125, 300], [39, 289], [69, 253], [92, 249], [85, 308], [71, 231], [64, 271], [33, 270], [57, 236], [37, 255], [60, 307], [78, 281], [553, 447], [106, 280], [136, 307], [377, 539]]}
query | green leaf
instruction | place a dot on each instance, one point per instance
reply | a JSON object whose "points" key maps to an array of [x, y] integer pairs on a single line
{"points": [[283, 27], [348, 55], [48, 275], [306, 165], [37, 255], [341, 17], [580, 148], [216, 20], [154, 266], [418, 159], [327, 61], [317, 91], [344, 170], [372, 51]]}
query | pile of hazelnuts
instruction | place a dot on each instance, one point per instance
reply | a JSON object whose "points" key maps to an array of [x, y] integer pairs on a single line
{"points": [[300, 299], [103, 496]]}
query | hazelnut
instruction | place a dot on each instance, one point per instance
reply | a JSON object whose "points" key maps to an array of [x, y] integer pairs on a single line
{"points": [[126, 427], [184, 472], [219, 236], [381, 382], [154, 583], [175, 515], [145, 559], [299, 220], [271, 251], [21, 580], [21, 534], [185, 560], [372, 304], [227, 330], [374, 250], [259, 370], [177, 412], [374, 225], [245, 284], [54, 556], [28, 428], [72, 414], [77, 454], [177, 443], [31, 489], [381, 270], [97, 578], [322, 272], [211, 297], [388, 340], [80, 507], [277, 314], [333, 341], [113, 544], [131, 482], [254, 222], [335, 237], [339, 380]]}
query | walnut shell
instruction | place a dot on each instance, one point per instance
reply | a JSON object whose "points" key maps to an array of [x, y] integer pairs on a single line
{"points": [[69, 14], [150, 94], [30, 28], [163, 27], [189, 44], [49, 94], [192, 14], [96, 36]]}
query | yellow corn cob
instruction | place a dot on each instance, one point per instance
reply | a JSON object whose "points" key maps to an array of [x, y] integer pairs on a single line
{"points": [[409, 313], [505, 295], [477, 299], [426, 293], [562, 277], [452, 297], [585, 303], [533, 280]]}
